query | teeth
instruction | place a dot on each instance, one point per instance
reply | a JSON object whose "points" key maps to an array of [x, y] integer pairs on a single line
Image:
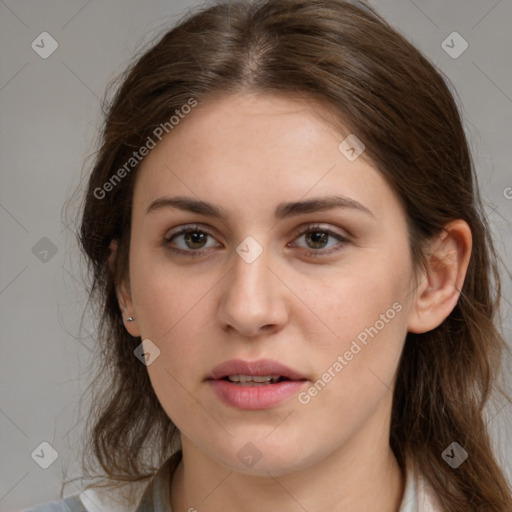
{"points": [[258, 379]]}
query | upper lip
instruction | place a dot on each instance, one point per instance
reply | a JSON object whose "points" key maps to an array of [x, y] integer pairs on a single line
{"points": [[259, 367]]}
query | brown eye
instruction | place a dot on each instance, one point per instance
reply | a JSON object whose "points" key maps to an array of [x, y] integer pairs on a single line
{"points": [[317, 239], [321, 241], [195, 239], [190, 241]]}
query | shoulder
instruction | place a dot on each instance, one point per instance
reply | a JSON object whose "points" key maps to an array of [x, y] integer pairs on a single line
{"points": [[133, 497], [93, 500], [69, 504]]}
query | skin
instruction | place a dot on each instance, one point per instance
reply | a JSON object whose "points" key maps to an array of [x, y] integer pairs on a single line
{"points": [[247, 153]]}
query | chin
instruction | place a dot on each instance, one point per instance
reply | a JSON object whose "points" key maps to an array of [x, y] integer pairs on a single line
{"points": [[262, 457]]}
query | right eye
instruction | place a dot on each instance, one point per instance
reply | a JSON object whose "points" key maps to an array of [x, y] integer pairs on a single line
{"points": [[190, 241]]}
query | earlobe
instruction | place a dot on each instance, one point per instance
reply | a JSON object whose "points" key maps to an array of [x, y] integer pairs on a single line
{"points": [[124, 297], [447, 263]]}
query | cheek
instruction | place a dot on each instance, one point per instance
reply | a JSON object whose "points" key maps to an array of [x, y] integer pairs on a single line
{"points": [[165, 297], [174, 324], [355, 370], [366, 313], [171, 309], [369, 335], [355, 302]]}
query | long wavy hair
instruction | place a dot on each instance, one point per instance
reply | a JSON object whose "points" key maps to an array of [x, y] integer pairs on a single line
{"points": [[344, 55]]}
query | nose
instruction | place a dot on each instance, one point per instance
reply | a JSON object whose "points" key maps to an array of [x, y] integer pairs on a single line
{"points": [[253, 298]]}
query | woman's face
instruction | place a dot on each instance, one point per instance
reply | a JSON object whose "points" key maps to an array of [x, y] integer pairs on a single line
{"points": [[331, 304]]}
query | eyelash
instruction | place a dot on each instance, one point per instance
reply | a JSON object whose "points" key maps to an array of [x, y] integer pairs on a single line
{"points": [[310, 229]]}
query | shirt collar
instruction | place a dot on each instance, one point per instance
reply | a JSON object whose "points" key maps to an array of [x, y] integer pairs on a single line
{"points": [[157, 497]]}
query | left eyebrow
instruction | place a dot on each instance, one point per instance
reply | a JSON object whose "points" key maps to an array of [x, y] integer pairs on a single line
{"points": [[282, 210], [318, 204]]}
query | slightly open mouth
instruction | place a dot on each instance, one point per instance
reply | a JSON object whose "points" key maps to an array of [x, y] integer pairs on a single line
{"points": [[255, 380]]}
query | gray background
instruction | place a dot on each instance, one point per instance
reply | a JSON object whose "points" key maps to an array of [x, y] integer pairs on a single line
{"points": [[49, 118]]}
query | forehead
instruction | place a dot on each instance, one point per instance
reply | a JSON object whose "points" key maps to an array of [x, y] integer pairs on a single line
{"points": [[249, 151]]}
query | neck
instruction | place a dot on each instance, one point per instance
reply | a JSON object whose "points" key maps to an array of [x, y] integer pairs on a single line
{"points": [[364, 477]]}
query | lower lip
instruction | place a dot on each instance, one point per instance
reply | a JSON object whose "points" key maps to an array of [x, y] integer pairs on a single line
{"points": [[255, 397]]}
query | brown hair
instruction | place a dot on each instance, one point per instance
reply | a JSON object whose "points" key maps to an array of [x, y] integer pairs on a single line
{"points": [[345, 55]]}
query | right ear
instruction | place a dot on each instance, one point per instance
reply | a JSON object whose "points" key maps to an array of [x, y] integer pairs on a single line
{"points": [[124, 298]]}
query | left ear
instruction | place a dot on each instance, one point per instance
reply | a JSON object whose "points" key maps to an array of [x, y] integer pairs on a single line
{"points": [[448, 258]]}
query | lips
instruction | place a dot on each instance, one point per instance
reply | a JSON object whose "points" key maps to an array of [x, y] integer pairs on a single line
{"points": [[243, 371], [253, 385]]}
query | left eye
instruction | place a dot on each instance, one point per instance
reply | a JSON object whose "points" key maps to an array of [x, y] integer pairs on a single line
{"points": [[194, 241], [317, 238]]}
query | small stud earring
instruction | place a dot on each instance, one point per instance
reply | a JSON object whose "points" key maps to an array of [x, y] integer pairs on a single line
{"points": [[129, 319]]}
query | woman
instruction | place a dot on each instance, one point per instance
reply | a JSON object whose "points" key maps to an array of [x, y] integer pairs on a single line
{"points": [[295, 275]]}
